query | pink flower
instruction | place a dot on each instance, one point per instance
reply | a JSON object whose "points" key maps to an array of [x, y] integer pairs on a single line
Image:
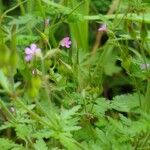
{"points": [[103, 28], [65, 42], [31, 51]]}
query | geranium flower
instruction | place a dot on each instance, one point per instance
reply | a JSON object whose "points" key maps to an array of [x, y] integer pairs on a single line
{"points": [[65, 42], [103, 28], [31, 51]]}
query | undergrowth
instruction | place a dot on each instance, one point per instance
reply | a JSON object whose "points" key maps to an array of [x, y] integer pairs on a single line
{"points": [[75, 75]]}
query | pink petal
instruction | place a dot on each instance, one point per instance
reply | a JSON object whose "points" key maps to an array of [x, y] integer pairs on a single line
{"points": [[28, 51], [66, 39], [103, 27], [33, 47], [28, 57], [65, 42], [69, 42], [67, 46]]}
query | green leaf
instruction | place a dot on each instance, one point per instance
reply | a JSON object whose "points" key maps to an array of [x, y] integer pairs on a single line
{"points": [[23, 130], [44, 133], [69, 142], [40, 145], [69, 120], [6, 144], [4, 82], [126, 103], [101, 106], [66, 114]]}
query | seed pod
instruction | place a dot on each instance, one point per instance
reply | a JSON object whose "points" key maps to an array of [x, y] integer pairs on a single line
{"points": [[64, 68], [4, 55], [43, 36], [52, 53], [13, 48], [34, 86]]}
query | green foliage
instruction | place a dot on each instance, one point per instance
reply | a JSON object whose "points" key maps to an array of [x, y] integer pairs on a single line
{"points": [[74, 97], [40, 144], [8, 144], [101, 6]]}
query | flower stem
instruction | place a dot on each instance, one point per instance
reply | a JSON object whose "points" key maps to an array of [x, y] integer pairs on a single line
{"points": [[37, 117], [7, 112], [146, 104], [45, 82]]}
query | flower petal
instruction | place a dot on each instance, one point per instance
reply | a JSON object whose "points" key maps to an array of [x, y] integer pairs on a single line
{"points": [[33, 47], [67, 46], [69, 42], [103, 27], [67, 38], [65, 42], [28, 51], [28, 57]]}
